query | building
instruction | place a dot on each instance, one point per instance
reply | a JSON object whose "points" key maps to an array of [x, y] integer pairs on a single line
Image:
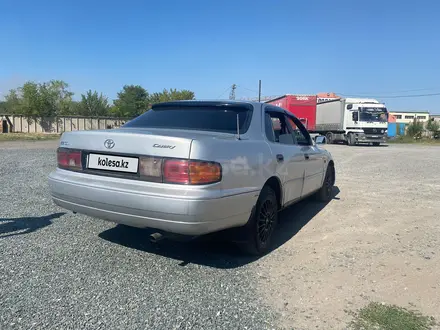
{"points": [[407, 117], [436, 118], [323, 97]]}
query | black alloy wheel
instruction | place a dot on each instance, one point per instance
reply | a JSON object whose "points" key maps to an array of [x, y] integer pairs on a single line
{"points": [[328, 184], [261, 226], [266, 220], [325, 194]]}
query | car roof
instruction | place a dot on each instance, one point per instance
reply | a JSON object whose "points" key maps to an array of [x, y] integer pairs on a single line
{"points": [[238, 103], [207, 102]]}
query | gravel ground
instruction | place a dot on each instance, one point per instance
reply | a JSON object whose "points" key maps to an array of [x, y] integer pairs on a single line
{"points": [[376, 241], [65, 271]]}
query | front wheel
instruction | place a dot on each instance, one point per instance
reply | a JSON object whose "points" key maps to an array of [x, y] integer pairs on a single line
{"points": [[351, 139], [261, 226], [325, 194]]}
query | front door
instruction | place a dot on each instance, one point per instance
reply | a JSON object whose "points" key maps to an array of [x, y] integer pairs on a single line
{"points": [[314, 169]]}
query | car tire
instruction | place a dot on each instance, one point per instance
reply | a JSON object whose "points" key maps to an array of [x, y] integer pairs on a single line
{"points": [[325, 193], [350, 139], [261, 226], [329, 138]]}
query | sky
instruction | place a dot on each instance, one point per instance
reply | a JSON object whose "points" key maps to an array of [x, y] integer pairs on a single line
{"points": [[383, 49]]}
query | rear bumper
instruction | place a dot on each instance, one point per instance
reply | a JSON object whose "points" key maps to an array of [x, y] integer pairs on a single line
{"points": [[362, 137], [186, 211]]}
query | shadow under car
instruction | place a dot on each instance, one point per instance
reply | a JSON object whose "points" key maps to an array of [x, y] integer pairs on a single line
{"points": [[213, 250]]}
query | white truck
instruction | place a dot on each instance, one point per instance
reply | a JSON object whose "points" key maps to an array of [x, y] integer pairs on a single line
{"points": [[352, 120]]}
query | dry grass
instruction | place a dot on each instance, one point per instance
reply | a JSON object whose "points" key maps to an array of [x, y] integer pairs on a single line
{"points": [[28, 136], [408, 139], [390, 317]]}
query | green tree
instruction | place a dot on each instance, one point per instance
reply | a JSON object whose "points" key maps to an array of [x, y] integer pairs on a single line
{"points": [[92, 104], [433, 126], [13, 102], [3, 107], [58, 95], [32, 103], [40, 100], [171, 95], [131, 102], [415, 129]]}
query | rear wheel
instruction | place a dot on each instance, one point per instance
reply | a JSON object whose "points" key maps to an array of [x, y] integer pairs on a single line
{"points": [[329, 137], [260, 228], [325, 194]]}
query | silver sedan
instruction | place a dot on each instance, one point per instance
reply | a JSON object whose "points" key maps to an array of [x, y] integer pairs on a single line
{"points": [[195, 167]]}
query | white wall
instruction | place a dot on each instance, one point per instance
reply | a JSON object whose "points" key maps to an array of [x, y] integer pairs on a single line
{"points": [[62, 124], [410, 120]]}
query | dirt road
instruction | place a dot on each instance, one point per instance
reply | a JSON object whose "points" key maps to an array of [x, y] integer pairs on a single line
{"points": [[378, 240], [47, 144]]}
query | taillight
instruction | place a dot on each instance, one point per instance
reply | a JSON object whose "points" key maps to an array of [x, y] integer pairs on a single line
{"points": [[69, 159], [191, 172], [176, 171], [204, 172]]}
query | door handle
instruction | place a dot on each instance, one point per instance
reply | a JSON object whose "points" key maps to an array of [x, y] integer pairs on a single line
{"points": [[306, 156], [280, 157]]}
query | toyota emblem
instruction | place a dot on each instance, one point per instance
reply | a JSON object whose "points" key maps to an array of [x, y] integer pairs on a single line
{"points": [[109, 143]]}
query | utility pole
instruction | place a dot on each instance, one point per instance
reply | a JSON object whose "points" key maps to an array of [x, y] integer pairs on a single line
{"points": [[232, 94], [259, 91]]}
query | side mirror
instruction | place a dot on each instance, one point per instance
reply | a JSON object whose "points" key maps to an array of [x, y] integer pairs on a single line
{"points": [[320, 139], [355, 116]]}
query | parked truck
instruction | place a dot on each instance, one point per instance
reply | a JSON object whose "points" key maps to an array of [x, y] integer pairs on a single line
{"points": [[348, 120]]}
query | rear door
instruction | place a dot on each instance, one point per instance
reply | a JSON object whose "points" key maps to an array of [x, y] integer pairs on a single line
{"points": [[314, 169], [288, 155]]}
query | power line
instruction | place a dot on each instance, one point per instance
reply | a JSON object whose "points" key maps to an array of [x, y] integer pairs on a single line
{"points": [[395, 92], [248, 89], [224, 92], [393, 96]]}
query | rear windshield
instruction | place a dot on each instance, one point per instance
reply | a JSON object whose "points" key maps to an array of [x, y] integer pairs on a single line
{"points": [[216, 119]]}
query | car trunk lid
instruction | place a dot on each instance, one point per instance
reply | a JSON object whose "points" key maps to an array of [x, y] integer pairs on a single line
{"points": [[148, 154], [129, 142]]}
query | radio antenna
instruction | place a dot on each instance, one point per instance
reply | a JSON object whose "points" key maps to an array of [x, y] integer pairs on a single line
{"points": [[238, 126]]}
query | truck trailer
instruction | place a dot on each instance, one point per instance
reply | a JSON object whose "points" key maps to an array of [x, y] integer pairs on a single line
{"points": [[349, 120]]}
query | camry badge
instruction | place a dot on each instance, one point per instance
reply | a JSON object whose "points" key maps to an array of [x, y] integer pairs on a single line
{"points": [[164, 146]]}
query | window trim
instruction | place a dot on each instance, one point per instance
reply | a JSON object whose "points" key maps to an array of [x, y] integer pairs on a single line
{"points": [[265, 123], [271, 109], [250, 113], [301, 128]]}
